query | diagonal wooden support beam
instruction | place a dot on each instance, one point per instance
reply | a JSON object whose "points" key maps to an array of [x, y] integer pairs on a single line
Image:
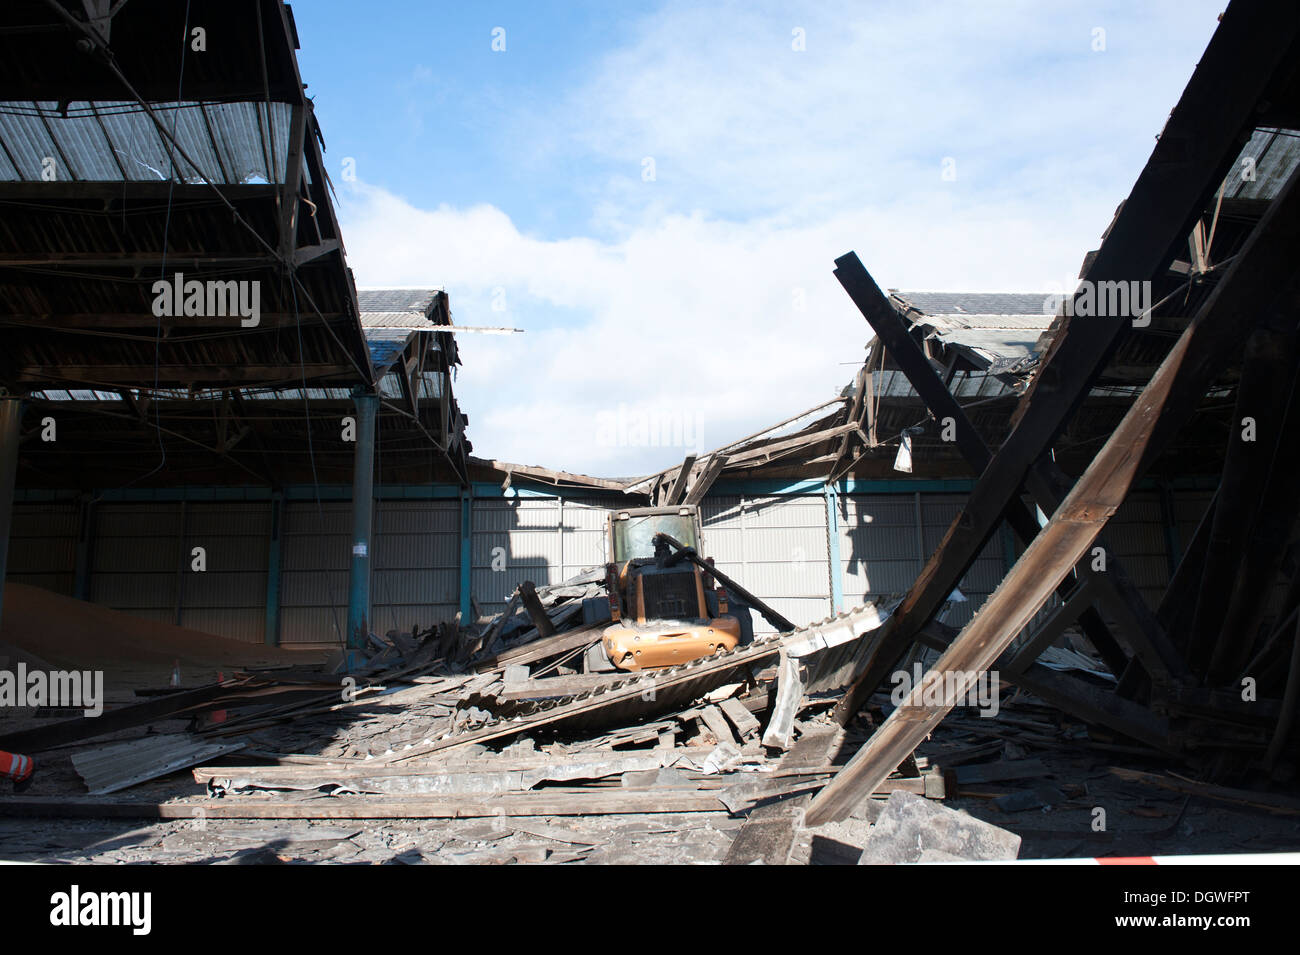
{"points": [[1144, 633], [289, 191], [1060, 545], [708, 474], [1053, 627], [683, 478], [1257, 572], [1262, 393], [1199, 143], [1263, 280]]}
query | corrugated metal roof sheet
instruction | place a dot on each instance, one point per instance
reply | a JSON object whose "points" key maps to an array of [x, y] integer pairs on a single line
{"points": [[975, 305], [107, 769], [408, 320], [230, 143], [1273, 154], [396, 300], [999, 327]]}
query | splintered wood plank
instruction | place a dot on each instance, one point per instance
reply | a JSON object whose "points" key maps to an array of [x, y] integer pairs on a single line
{"points": [[718, 725], [545, 647], [740, 717]]}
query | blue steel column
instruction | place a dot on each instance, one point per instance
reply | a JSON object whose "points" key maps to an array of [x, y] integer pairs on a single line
{"points": [[11, 416], [466, 556], [271, 634], [833, 539], [363, 502]]}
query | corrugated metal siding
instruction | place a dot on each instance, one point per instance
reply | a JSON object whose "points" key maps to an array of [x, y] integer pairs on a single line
{"points": [[774, 546], [229, 597], [937, 514], [136, 558], [880, 552], [524, 538], [43, 546], [1136, 533], [314, 557], [584, 534], [884, 544], [415, 580], [123, 129]]}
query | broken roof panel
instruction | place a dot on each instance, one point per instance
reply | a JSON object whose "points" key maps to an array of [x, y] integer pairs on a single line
{"points": [[993, 329], [1264, 165]]}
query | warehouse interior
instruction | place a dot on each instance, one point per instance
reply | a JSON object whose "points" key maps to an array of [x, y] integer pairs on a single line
{"points": [[233, 515]]}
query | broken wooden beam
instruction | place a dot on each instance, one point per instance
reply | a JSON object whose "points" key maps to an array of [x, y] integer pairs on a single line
{"points": [[536, 612], [1201, 140], [1061, 544]]}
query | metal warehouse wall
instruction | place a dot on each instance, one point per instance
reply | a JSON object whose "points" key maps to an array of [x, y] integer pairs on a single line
{"points": [[316, 550], [136, 561], [776, 547], [416, 575], [777, 544], [885, 540], [42, 546], [545, 540], [229, 597]]}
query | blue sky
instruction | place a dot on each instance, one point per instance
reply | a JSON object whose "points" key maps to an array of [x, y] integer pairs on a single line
{"points": [[520, 181]]}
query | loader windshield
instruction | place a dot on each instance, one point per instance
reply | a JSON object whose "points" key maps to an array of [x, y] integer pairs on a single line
{"points": [[634, 536]]}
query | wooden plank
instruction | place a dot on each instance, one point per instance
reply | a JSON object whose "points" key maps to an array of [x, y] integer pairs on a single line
{"points": [[111, 720], [540, 649], [1051, 629], [552, 686], [712, 468], [718, 725], [1272, 802], [680, 483], [292, 185], [740, 717], [536, 612]]}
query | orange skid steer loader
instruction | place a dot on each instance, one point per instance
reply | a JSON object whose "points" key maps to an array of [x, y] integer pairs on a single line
{"points": [[669, 605]]}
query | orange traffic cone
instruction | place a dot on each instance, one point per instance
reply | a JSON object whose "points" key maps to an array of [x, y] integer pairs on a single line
{"points": [[16, 767]]}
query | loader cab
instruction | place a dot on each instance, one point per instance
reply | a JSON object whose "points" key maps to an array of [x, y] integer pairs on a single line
{"points": [[630, 533]]}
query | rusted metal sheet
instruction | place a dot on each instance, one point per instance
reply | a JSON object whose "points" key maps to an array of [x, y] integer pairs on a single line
{"points": [[111, 768]]}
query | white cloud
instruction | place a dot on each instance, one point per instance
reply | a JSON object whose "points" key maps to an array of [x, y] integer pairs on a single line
{"points": [[797, 158], [687, 316]]}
